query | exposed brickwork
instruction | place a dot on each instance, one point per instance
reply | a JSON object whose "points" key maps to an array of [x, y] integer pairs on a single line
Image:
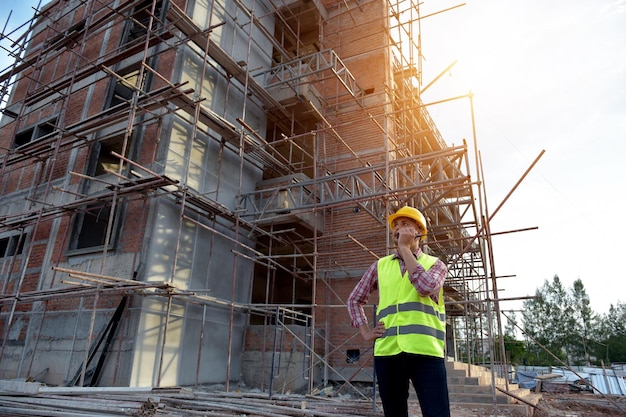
{"points": [[38, 176], [351, 239]]}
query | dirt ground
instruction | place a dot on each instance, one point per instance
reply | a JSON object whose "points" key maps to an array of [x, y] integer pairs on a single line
{"points": [[556, 405], [580, 405], [551, 404]]}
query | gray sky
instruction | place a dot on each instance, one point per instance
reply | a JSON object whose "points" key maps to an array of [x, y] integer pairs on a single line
{"points": [[546, 75]]}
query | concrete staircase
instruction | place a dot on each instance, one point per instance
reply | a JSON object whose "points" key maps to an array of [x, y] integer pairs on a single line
{"points": [[470, 386]]}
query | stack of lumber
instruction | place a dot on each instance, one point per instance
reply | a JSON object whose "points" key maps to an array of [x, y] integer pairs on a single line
{"points": [[34, 399]]}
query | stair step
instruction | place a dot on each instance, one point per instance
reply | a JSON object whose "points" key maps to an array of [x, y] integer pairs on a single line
{"points": [[486, 389], [451, 365], [470, 386], [483, 380], [480, 399]]}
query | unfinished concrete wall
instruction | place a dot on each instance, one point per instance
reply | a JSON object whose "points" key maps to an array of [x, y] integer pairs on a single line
{"points": [[190, 344], [183, 344]]}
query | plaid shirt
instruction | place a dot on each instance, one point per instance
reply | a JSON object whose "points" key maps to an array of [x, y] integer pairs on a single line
{"points": [[425, 282]]}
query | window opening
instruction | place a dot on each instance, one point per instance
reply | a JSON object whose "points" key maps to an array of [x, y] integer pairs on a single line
{"points": [[353, 355], [90, 227], [102, 161], [123, 89], [106, 161], [10, 246], [35, 133], [137, 26]]}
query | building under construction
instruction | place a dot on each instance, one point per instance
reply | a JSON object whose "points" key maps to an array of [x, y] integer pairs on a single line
{"points": [[190, 189]]}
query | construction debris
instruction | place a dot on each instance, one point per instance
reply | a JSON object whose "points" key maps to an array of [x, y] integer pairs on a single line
{"points": [[35, 399]]}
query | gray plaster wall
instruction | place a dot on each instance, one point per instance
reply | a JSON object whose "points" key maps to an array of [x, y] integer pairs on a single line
{"points": [[184, 343], [57, 341], [190, 343]]}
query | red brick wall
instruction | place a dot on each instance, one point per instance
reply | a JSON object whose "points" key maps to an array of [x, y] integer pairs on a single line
{"points": [[71, 154], [354, 233]]}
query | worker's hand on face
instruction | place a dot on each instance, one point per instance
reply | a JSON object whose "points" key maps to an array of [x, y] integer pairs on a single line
{"points": [[405, 236], [373, 334]]}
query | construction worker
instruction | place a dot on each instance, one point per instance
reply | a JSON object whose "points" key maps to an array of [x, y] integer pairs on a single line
{"points": [[409, 336]]}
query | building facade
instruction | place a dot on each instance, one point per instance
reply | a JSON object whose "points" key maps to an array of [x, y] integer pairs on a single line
{"points": [[190, 189]]}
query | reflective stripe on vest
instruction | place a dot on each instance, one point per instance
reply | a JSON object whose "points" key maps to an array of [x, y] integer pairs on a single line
{"points": [[414, 323]]}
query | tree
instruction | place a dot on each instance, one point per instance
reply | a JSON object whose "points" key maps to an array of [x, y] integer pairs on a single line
{"points": [[545, 321], [614, 327], [562, 323], [515, 349], [581, 320]]}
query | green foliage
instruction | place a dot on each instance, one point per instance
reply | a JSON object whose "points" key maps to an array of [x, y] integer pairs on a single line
{"points": [[560, 323], [614, 325], [515, 349]]}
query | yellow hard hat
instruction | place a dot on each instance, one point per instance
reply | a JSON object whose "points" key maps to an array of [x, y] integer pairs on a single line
{"points": [[411, 213]]}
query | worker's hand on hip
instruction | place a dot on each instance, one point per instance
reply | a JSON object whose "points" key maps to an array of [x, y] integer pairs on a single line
{"points": [[374, 333]]}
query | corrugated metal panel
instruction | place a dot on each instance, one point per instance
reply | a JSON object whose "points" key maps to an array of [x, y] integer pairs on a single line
{"points": [[604, 381], [608, 384]]}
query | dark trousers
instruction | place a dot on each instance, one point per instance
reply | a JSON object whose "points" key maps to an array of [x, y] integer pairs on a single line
{"points": [[428, 375]]}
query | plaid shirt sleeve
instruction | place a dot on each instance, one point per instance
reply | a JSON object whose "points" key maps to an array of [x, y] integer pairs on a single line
{"points": [[360, 295], [429, 282]]}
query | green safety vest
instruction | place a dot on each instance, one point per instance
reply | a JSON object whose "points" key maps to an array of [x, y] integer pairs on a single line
{"points": [[414, 323]]}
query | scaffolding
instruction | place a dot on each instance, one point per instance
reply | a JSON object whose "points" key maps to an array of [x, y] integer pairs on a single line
{"points": [[272, 141]]}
